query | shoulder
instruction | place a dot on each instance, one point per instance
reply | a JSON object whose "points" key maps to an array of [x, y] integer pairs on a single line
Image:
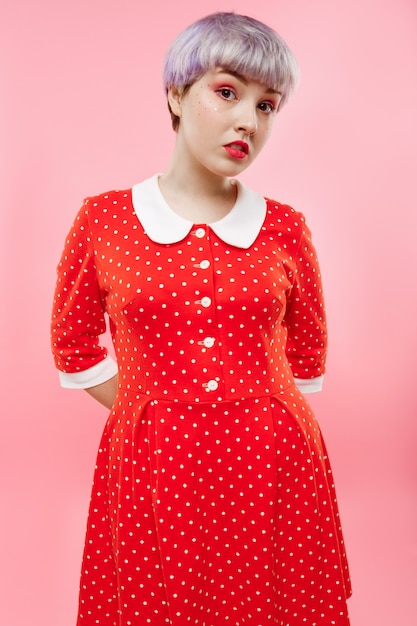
{"points": [[284, 214], [285, 223], [100, 211], [104, 202]]}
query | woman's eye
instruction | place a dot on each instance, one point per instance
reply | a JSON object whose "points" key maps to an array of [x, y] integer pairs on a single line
{"points": [[266, 107], [227, 94]]}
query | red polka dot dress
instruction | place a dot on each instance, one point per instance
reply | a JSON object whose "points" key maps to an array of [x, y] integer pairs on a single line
{"points": [[213, 501]]}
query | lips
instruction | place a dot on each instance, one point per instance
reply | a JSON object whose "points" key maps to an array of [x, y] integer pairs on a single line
{"points": [[237, 149]]}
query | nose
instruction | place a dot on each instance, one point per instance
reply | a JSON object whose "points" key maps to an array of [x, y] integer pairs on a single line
{"points": [[246, 119]]}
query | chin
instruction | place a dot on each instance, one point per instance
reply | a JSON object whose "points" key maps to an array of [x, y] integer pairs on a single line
{"points": [[231, 170]]}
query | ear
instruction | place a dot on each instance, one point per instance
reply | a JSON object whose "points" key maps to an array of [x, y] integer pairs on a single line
{"points": [[174, 100]]}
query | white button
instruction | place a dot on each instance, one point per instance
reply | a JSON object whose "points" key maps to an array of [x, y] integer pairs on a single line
{"points": [[212, 385], [204, 264], [205, 302], [209, 342], [200, 232]]}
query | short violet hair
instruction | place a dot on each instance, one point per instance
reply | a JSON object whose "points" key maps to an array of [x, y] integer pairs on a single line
{"points": [[234, 42]]}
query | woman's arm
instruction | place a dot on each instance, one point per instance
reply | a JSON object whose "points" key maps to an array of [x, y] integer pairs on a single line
{"points": [[305, 317], [105, 393], [78, 318]]}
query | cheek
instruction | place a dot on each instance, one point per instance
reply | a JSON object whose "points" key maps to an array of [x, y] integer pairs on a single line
{"points": [[270, 121], [264, 133], [211, 104], [204, 109]]}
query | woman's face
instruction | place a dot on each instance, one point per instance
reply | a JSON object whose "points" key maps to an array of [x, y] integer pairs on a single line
{"points": [[225, 120]]}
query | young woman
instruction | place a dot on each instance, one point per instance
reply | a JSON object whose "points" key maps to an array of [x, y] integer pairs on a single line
{"points": [[213, 500]]}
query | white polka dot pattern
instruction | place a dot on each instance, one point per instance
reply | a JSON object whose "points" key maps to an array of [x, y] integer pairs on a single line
{"points": [[213, 500]]}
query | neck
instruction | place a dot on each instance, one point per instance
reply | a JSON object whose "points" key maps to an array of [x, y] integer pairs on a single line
{"points": [[196, 193], [188, 175]]}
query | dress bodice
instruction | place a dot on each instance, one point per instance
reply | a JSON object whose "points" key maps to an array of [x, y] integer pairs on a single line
{"points": [[196, 319]]}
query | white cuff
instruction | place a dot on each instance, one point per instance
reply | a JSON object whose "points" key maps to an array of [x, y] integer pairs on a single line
{"points": [[309, 385], [99, 373]]}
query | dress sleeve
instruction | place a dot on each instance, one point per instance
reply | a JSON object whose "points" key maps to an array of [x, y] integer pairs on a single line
{"points": [[305, 318], [78, 313]]}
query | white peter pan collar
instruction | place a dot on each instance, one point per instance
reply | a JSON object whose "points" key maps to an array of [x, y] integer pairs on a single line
{"points": [[239, 227]]}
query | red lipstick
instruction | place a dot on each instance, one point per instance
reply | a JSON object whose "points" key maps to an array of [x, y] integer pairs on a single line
{"points": [[237, 149]]}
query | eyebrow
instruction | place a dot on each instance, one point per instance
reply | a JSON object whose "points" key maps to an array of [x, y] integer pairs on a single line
{"points": [[245, 80]]}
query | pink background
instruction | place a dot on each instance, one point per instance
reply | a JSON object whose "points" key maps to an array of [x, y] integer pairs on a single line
{"points": [[83, 111]]}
